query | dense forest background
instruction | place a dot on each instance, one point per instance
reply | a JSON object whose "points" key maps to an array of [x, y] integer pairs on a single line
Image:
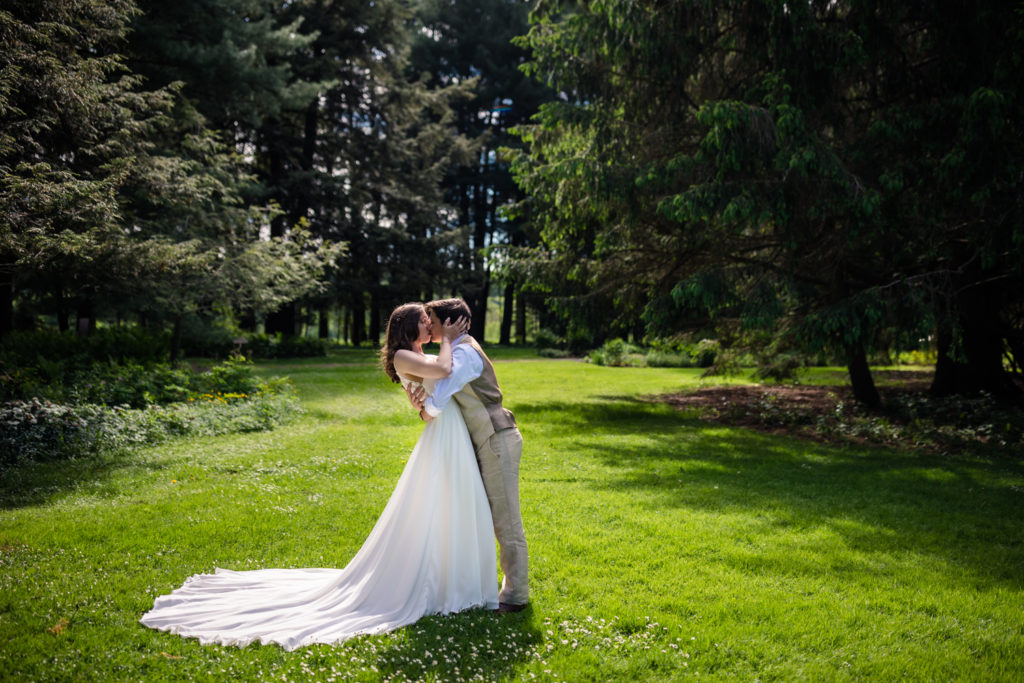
{"points": [[820, 181]]}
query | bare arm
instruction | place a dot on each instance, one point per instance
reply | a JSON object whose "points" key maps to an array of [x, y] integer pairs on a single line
{"points": [[412, 364]]}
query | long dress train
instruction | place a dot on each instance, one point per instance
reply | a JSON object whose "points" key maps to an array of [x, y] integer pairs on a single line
{"points": [[431, 551]]}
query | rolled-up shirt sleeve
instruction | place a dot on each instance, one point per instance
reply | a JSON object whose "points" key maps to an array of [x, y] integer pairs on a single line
{"points": [[467, 365]]}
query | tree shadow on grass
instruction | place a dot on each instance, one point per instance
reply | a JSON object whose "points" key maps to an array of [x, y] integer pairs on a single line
{"points": [[473, 645], [36, 483], [963, 508]]}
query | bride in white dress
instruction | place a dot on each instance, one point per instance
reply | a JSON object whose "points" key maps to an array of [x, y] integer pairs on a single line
{"points": [[431, 551]]}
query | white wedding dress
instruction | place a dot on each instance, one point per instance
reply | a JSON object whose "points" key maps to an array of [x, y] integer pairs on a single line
{"points": [[431, 551]]}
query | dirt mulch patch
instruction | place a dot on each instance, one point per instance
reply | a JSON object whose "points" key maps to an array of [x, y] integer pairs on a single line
{"points": [[791, 409]]}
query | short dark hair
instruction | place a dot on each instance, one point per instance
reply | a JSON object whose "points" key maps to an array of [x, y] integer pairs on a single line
{"points": [[449, 308]]}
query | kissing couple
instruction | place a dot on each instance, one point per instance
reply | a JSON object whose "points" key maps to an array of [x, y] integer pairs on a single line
{"points": [[432, 548]]}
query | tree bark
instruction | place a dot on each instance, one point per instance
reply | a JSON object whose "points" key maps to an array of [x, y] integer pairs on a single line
{"points": [[945, 380], [521, 318], [505, 336], [358, 319], [282, 320], [176, 340], [324, 320], [375, 316], [479, 293], [62, 309], [6, 303], [980, 365], [86, 322], [864, 390]]}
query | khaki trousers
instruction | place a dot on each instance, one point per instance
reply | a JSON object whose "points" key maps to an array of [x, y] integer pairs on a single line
{"points": [[499, 458]]}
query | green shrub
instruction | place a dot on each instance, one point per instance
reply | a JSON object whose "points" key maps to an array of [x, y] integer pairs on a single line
{"points": [[130, 384], [279, 346], [108, 406], [546, 339], [578, 340], [668, 359], [618, 353], [705, 353], [779, 368], [42, 431], [917, 357], [107, 344]]}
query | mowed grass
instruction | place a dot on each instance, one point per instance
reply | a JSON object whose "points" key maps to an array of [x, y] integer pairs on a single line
{"points": [[662, 548]]}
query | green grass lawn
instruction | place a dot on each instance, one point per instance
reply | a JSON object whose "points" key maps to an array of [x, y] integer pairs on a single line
{"points": [[662, 548]]}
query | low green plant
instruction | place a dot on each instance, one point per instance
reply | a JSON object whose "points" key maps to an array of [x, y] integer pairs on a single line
{"points": [[279, 346], [546, 339], [705, 353], [668, 359], [110, 407], [779, 367], [106, 344], [41, 431], [618, 353], [917, 357]]}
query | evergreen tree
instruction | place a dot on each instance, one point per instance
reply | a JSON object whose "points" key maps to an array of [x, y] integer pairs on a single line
{"points": [[315, 95], [471, 43], [109, 189], [375, 146], [824, 169], [73, 128]]}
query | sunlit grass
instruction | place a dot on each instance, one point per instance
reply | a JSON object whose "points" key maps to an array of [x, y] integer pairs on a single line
{"points": [[661, 547]]}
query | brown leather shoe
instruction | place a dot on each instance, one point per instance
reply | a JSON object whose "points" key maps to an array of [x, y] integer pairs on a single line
{"points": [[505, 607]]}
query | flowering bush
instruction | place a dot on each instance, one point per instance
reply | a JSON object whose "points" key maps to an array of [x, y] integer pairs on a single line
{"points": [[40, 430], [131, 384]]}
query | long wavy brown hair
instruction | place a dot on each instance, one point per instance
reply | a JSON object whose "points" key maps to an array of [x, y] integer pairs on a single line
{"points": [[402, 331]]}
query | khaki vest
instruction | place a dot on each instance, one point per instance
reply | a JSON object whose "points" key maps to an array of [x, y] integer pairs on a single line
{"points": [[480, 402]]}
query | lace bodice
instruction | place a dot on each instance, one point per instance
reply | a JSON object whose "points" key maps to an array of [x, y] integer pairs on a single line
{"points": [[427, 384]]}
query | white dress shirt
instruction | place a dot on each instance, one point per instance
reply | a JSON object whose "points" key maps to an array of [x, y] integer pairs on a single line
{"points": [[467, 365]]}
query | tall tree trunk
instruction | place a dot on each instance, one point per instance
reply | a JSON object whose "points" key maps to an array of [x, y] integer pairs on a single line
{"points": [[6, 303], [983, 345], [979, 366], [176, 340], [358, 319], [375, 316], [62, 309], [864, 390], [346, 317], [86, 323], [323, 317], [283, 320], [505, 336], [945, 381], [478, 293], [521, 318], [309, 134]]}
